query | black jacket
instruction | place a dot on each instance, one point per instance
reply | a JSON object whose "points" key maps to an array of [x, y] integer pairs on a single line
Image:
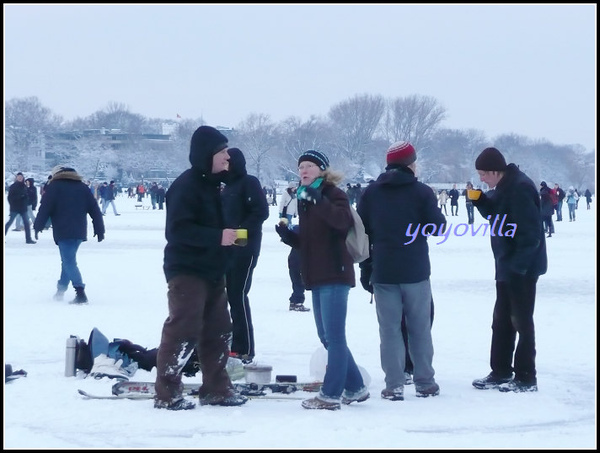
{"points": [[391, 206], [17, 197], [67, 201], [516, 196], [194, 225], [244, 202]]}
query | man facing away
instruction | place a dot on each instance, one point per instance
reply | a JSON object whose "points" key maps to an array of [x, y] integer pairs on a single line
{"points": [[520, 258], [67, 201], [399, 269], [195, 262]]}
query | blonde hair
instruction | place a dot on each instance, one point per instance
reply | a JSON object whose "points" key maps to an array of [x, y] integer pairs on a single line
{"points": [[332, 176]]}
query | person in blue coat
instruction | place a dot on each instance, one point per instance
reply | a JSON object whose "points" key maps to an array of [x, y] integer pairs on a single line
{"points": [[67, 201]]}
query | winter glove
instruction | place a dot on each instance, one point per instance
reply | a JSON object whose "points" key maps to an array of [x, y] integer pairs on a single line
{"points": [[284, 233], [366, 269], [311, 195], [100, 236], [36, 234]]}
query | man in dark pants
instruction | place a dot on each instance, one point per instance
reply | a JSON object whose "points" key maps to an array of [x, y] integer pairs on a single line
{"points": [[244, 206], [520, 257], [195, 261], [297, 298]]}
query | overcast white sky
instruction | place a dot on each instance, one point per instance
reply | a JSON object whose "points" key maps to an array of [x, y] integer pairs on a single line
{"points": [[523, 69]]}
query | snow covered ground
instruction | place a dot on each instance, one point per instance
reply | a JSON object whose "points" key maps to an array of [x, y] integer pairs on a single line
{"points": [[127, 292]]}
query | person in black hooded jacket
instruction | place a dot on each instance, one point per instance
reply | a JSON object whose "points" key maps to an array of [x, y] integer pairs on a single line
{"points": [[244, 206], [195, 262], [17, 205], [520, 258]]}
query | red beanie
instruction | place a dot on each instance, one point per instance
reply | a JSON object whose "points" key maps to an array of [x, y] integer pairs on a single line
{"points": [[401, 153]]}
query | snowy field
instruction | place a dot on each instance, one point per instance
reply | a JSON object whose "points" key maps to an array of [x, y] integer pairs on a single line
{"points": [[127, 292]]}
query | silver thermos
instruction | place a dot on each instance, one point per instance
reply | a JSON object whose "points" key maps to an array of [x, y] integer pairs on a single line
{"points": [[70, 369]]}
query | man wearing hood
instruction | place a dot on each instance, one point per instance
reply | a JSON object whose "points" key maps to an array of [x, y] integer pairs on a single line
{"points": [[398, 270], [195, 262], [244, 206]]}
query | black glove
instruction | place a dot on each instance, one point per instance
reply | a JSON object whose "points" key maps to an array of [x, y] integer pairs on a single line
{"points": [[365, 277], [36, 234], [100, 236], [284, 233], [311, 195]]}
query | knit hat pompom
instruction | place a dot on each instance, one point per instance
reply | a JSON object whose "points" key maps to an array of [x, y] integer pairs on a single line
{"points": [[401, 153]]}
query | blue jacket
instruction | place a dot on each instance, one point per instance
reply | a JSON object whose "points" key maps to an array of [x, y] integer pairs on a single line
{"points": [[67, 201]]}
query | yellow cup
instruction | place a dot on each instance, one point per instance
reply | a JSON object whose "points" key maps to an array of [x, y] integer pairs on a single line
{"points": [[473, 194], [242, 237]]}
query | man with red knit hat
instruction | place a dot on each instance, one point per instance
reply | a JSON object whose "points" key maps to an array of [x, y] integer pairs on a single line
{"points": [[398, 270], [520, 258]]}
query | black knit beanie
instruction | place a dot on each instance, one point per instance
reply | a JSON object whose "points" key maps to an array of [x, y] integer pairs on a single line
{"points": [[490, 159]]}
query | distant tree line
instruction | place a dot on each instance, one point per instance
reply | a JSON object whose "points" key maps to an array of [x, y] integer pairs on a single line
{"points": [[355, 135]]}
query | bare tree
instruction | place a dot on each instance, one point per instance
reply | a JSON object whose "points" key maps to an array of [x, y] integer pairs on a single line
{"points": [[413, 118], [296, 137], [25, 122], [354, 123], [257, 138]]}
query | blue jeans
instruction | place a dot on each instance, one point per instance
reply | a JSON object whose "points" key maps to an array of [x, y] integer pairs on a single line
{"points": [[69, 270], [330, 305]]}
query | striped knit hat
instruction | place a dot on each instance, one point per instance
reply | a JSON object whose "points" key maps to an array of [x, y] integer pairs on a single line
{"points": [[401, 153]]}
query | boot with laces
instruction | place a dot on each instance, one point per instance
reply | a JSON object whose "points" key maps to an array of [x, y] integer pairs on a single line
{"points": [[322, 402], [491, 381], [430, 390]]}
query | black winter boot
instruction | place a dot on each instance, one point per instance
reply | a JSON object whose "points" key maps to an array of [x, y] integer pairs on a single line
{"points": [[80, 297]]}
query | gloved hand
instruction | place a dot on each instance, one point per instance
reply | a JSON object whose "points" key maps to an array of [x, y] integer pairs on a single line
{"points": [[311, 195], [284, 233], [365, 277], [36, 234], [100, 236]]}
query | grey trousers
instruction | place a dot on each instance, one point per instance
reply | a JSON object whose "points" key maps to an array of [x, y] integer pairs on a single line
{"points": [[414, 299]]}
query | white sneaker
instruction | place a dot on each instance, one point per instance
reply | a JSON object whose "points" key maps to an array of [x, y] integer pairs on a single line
{"points": [[105, 366]]}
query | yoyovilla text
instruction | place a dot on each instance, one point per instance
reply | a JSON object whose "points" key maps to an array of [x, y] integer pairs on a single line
{"points": [[497, 227]]}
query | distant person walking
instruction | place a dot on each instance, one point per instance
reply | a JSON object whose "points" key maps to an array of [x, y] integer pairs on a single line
{"points": [[32, 201], [108, 198], [454, 195], [572, 198], [588, 197], [17, 206]]}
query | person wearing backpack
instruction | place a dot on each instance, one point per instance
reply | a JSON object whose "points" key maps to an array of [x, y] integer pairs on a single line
{"points": [[394, 209], [328, 272]]}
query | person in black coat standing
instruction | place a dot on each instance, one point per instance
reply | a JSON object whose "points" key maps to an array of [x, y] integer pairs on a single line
{"points": [[453, 194], [17, 205], [195, 262], [546, 208], [520, 258], [244, 206], [68, 201]]}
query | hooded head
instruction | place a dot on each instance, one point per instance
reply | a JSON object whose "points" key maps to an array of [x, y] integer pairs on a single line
{"points": [[206, 142], [237, 163]]}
